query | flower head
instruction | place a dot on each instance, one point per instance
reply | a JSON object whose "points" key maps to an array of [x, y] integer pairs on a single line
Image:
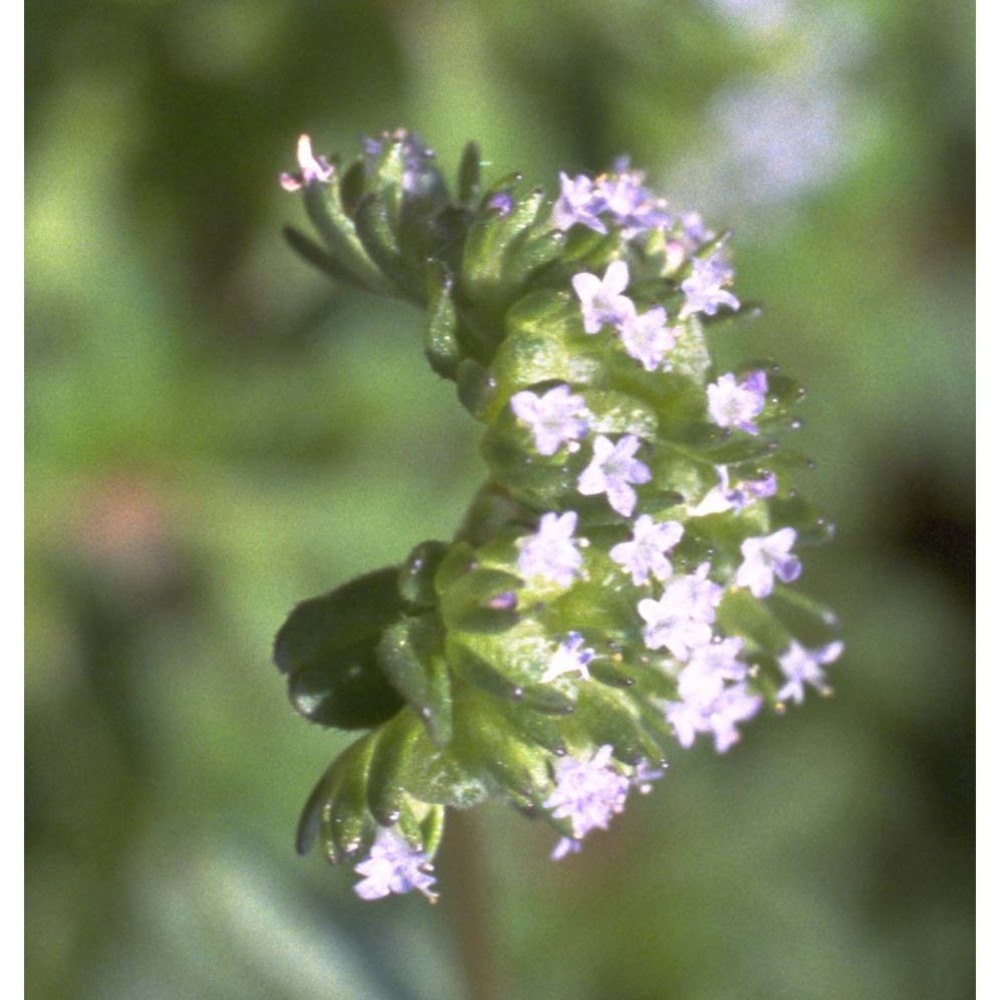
{"points": [[765, 558], [551, 552], [312, 169], [587, 793], [803, 666], [555, 419], [647, 552], [612, 470], [393, 865], [601, 298], [732, 404]]}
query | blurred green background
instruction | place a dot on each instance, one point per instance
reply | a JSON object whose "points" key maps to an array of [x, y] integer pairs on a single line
{"points": [[214, 433]]}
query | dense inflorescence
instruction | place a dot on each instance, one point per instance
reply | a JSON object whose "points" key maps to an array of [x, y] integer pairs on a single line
{"points": [[622, 582]]}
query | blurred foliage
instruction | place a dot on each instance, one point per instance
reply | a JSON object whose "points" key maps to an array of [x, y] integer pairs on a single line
{"points": [[212, 432]]}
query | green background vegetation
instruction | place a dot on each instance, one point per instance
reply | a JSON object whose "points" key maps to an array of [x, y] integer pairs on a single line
{"points": [[213, 433]]}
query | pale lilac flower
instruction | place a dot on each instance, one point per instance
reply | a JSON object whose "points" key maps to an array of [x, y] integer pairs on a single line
{"points": [[587, 793], [717, 714], [803, 666], [612, 469], [647, 338], [732, 404], [713, 695], [724, 497], [554, 419], [695, 230], [646, 553], [765, 558], [393, 865], [681, 620], [631, 205], [551, 553], [578, 202], [571, 656], [601, 298], [705, 290], [311, 168]]}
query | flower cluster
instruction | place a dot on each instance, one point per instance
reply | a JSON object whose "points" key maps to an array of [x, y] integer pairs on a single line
{"points": [[622, 582]]}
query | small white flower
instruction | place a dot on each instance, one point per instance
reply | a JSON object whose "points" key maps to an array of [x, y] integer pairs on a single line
{"points": [[551, 552], [555, 419], [646, 553], [393, 865], [613, 468], [803, 666], [765, 558]]}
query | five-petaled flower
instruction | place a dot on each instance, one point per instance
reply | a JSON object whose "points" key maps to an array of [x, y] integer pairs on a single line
{"points": [[713, 695], [613, 470], [681, 620], [551, 552], [555, 419], [705, 290], [647, 338], [393, 865], [803, 666], [587, 793], [647, 552], [578, 203], [738, 404], [765, 558], [601, 299]]}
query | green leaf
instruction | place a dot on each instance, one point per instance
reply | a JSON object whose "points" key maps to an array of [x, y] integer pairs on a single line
{"points": [[314, 254], [373, 220], [468, 174], [393, 743], [441, 343], [416, 576], [327, 647], [483, 274], [337, 231], [411, 656]]}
